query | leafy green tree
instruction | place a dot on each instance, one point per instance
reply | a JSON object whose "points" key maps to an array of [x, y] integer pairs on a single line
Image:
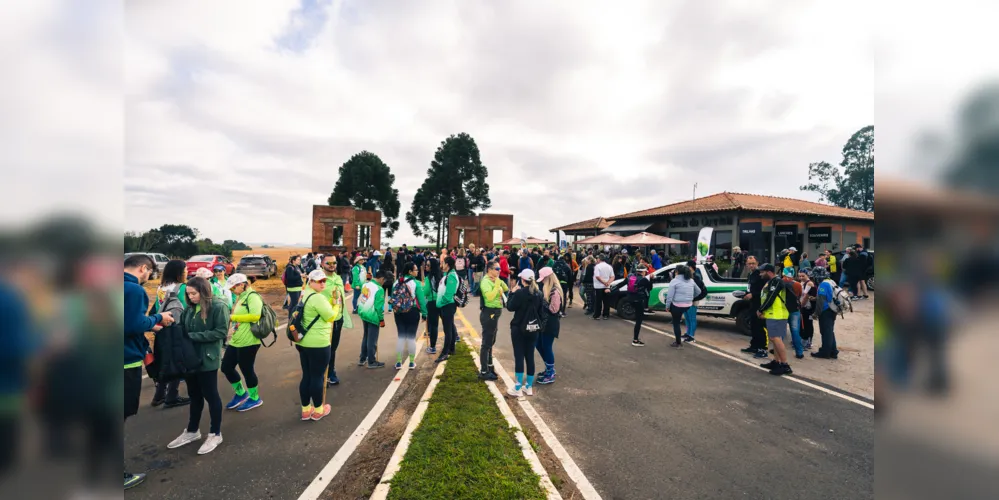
{"points": [[366, 183], [455, 185], [851, 184], [236, 245]]}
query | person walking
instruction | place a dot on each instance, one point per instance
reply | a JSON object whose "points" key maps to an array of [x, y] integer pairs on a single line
{"points": [[639, 292], [431, 278], [292, 279], [573, 275], [313, 346], [794, 311], [758, 343], [680, 297], [554, 299], [409, 304], [137, 269], [808, 296], [206, 321], [773, 309], [461, 266], [371, 309], [447, 308], [336, 294], [856, 268], [491, 297], [526, 303], [603, 276], [358, 276], [690, 317], [827, 317], [242, 349]]}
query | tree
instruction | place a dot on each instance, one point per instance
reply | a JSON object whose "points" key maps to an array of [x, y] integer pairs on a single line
{"points": [[455, 185], [365, 183], [178, 241], [977, 146], [851, 184], [236, 245]]}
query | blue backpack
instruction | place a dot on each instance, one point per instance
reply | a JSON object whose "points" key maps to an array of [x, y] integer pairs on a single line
{"points": [[402, 299]]}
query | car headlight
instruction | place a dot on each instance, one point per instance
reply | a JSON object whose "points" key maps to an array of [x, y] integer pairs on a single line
{"points": [[739, 294]]}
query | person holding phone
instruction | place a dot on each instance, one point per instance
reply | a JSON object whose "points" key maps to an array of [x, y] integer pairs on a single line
{"points": [[491, 299]]}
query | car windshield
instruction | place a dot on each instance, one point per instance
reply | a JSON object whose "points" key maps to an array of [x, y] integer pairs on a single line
{"points": [[201, 258], [252, 260]]}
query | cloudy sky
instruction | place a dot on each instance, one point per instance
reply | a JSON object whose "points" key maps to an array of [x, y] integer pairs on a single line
{"points": [[238, 113]]}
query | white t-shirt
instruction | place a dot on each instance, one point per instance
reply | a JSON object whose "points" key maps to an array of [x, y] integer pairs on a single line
{"points": [[602, 270]]}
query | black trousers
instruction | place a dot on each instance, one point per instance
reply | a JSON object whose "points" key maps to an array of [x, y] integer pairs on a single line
{"points": [[203, 387], [639, 318], [523, 350], [601, 303], [315, 361], [133, 389], [433, 319], [450, 332], [334, 344], [807, 325], [244, 357], [489, 318], [566, 291], [759, 339], [677, 314], [168, 391], [292, 302]]}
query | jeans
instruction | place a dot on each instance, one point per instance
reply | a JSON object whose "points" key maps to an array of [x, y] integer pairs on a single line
{"points": [[244, 357], [691, 318], [794, 321], [334, 344], [203, 387], [315, 361], [523, 350], [489, 319], [677, 313], [292, 302], [433, 318], [357, 294], [369, 343], [476, 279], [827, 325], [450, 331], [546, 342]]}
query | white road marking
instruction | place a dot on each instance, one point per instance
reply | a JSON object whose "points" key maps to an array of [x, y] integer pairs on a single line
{"points": [[792, 378], [382, 490], [583, 484], [319, 484], [277, 328]]}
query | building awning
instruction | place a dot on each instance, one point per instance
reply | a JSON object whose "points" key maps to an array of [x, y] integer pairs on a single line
{"points": [[627, 227]]}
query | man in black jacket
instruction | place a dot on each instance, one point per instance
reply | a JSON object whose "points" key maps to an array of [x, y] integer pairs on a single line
{"points": [[758, 344], [640, 297]]}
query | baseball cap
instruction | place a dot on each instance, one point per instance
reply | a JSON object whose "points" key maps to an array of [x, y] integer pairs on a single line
{"points": [[792, 249], [218, 267], [768, 268], [359, 258], [234, 280], [203, 272], [317, 275], [545, 272], [641, 269], [377, 253], [624, 251], [526, 274]]}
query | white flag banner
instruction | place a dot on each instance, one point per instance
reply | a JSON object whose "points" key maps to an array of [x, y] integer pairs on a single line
{"points": [[704, 243]]}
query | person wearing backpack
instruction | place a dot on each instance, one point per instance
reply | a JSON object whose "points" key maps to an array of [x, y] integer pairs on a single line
{"points": [[827, 308], [793, 297], [554, 299], [526, 305], [690, 317], [371, 309], [313, 346], [292, 279], [809, 294], [170, 298], [679, 298], [639, 290], [563, 275], [206, 322], [336, 295], [431, 277], [446, 290], [243, 347], [773, 310], [408, 301], [358, 276]]}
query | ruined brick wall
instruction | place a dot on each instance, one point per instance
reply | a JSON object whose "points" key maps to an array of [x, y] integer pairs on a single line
{"points": [[479, 229], [325, 218]]}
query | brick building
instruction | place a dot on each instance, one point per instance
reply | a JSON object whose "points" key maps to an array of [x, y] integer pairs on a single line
{"points": [[344, 229], [464, 230]]}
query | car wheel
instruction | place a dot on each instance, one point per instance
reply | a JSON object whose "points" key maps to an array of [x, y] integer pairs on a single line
{"points": [[870, 283], [744, 320], [626, 309]]}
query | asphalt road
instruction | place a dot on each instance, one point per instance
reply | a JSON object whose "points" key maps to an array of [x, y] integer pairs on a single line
{"points": [[267, 452], [654, 422]]}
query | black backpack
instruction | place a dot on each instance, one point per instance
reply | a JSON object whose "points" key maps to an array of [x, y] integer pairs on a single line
{"points": [[562, 271], [461, 295], [296, 330]]}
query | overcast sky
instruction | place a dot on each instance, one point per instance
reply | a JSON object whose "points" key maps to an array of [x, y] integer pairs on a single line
{"points": [[238, 113]]}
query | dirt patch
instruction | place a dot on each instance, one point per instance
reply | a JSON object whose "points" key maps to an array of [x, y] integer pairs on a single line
{"points": [[363, 470]]}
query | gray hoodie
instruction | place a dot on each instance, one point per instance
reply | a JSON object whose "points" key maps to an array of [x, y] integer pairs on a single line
{"points": [[681, 291]]}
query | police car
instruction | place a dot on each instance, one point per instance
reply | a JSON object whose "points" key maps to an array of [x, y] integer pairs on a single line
{"points": [[724, 299]]}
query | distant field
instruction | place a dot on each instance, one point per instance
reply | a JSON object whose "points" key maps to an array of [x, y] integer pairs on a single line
{"points": [[280, 256]]}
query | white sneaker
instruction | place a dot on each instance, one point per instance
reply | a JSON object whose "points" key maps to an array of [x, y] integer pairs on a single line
{"points": [[185, 438], [529, 391], [213, 441], [516, 393]]}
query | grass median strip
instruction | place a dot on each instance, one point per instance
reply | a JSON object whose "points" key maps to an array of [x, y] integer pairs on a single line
{"points": [[464, 448]]}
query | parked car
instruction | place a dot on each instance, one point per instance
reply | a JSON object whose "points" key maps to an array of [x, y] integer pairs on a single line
{"points": [[261, 266], [209, 261], [724, 299], [870, 267], [158, 258]]}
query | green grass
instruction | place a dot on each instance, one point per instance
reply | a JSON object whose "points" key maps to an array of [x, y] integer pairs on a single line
{"points": [[464, 448]]}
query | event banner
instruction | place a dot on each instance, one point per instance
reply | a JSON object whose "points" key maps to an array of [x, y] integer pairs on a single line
{"points": [[704, 243]]}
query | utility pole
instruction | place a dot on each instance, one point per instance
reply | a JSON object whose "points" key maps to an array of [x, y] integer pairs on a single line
{"points": [[695, 191]]}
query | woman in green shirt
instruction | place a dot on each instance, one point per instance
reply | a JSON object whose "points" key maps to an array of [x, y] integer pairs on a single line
{"points": [[491, 290], [445, 304], [431, 277], [243, 346], [314, 347]]}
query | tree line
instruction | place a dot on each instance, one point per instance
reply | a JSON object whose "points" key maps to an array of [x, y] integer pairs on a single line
{"points": [[179, 241], [455, 185], [851, 183]]}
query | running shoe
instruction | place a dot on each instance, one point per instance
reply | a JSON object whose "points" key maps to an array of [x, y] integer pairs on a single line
{"points": [[770, 365], [487, 376], [307, 414], [250, 404], [514, 392], [800, 355], [376, 364], [213, 441], [157, 402], [443, 357], [431, 350], [750, 350], [677, 345], [180, 401], [637, 343], [596, 318], [606, 318], [362, 362], [529, 391], [133, 480], [334, 380], [412, 365], [689, 339], [761, 354], [185, 438], [781, 370], [237, 401], [319, 413], [547, 379], [398, 366]]}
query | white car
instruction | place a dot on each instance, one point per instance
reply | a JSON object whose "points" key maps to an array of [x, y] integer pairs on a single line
{"points": [[724, 299], [160, 260]]}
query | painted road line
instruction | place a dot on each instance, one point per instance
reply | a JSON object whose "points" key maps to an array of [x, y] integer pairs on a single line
{"points": [[792, 378], [277, 328], [511, 419], [322, 480], [382, 490], [583, 484]]}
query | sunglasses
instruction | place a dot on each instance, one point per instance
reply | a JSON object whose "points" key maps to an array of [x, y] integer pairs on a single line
{"points": [[496, 269]]}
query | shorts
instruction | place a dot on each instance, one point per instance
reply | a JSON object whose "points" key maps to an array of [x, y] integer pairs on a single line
{"points": [[777, 328], [133, 390]]}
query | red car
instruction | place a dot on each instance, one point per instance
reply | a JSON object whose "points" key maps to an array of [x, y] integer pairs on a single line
{"points": [[209, 261]]}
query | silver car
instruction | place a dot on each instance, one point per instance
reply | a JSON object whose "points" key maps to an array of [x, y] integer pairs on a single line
{"points": [[260, 266], [160, 260]]}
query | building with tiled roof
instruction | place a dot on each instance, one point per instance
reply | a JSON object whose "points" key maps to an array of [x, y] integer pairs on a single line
{"points": [[761, 225]]}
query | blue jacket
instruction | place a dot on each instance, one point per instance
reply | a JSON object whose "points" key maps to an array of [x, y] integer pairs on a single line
{"points": [[16, 339], [136, 321]]}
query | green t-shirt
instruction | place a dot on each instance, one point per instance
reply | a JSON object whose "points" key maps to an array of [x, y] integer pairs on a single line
{"points": [[319, 334], [492, 293]]}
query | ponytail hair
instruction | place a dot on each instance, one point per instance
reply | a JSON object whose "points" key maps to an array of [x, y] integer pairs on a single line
{"points": [[686, 272]]}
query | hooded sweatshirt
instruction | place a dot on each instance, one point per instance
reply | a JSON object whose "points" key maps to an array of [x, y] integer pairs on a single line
{"points": [[371, 303]]}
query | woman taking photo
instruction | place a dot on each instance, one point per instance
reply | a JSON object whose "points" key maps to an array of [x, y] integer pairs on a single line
{"points": [[679, 298], [314, 347], [526, 304], [206, 321], [552, 292], [409, 302], [431, 278]]}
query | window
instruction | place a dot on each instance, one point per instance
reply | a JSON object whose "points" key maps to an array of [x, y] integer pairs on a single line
{"points": [[867, 243], [202, 258], [721, 244]]}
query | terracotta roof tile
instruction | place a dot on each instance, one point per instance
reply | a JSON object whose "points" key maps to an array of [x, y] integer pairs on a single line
{"points": [[751, 202], [597, 223]]}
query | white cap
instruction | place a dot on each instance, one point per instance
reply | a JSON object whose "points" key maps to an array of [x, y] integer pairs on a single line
{"points": [[527, 274], [234, 280], [203, 272], [624, 251], [317, 275], [377, 253], [793, 249]]}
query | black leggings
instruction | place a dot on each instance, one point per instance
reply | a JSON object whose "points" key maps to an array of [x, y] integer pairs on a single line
{"points": [[203, 387], [807, 325], [571, 284], [523, 350], [433, 317], [315, 361], [334, 344], [447, 323], [639, 318], [244, 357], [677, 313]]}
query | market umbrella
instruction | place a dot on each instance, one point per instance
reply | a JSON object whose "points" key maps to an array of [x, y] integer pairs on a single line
{"points": [[600, 239], [645, 239]]}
